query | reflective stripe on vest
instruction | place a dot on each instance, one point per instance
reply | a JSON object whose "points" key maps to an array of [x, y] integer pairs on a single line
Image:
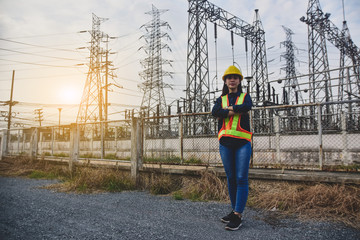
{"points": [[231, 125]]}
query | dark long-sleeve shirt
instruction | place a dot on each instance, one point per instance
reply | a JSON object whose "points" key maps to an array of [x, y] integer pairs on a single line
{"points": [[221, 113]]}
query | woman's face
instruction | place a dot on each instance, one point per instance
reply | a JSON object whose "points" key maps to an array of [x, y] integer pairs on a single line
{"points": [[232, 81]]}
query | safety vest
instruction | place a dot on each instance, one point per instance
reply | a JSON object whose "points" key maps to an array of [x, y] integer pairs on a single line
{"points": [[231, 125]]}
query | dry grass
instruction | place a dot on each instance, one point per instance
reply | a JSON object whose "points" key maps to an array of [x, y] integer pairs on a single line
{"points": [[92, 180], [208, 187], [334, 202], [23, 166], [161, 184], [84, 180]]}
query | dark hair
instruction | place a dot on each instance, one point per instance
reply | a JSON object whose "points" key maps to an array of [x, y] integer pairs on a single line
{"points": [[225, 89]]}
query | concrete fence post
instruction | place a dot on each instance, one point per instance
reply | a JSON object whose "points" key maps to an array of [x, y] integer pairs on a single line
{"points": [[277, 138], [345, 155], [252, 140], [18, 142], [23, 142], [92, 139], [116, 140], [3, 144], [34, 139], [74, 146], [181, 138], [321, 152], [52, 140], [102, 144], [136, 148], [40, 149]]}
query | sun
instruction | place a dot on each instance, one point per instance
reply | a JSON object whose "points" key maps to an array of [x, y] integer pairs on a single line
{"points": [[70, 95]]}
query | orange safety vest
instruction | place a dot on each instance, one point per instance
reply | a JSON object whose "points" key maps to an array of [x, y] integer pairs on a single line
{"points": [[231, 125]]}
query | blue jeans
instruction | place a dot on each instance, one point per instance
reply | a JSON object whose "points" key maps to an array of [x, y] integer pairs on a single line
{"points": [[236, 164]]}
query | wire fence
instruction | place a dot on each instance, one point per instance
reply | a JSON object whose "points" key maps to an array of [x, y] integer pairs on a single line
{"points": [[291, 137]]}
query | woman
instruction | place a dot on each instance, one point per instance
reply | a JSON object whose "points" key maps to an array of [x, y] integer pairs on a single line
{"points": [[235, 142]]}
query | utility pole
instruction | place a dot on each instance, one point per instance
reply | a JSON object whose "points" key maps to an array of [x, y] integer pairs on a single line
{"points": [[59, 115], [10, 110], [106, 80], [39, 116], [59, 119]]}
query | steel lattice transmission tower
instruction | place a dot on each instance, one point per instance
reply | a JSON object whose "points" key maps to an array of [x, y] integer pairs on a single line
{"points": [[92, 106], [153, 87], [291, 86], [319, 82], [320, 29], [259, 69], [349, 78], [197, 82]]}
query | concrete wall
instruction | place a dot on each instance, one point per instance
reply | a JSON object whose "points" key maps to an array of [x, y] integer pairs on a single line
{"points": [[293, 150]]}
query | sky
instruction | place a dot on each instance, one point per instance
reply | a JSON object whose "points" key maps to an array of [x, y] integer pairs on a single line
{"points": [[45, 42]]}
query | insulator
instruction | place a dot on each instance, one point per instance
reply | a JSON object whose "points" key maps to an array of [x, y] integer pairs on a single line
{"points": [[232, 38], [215, 30], [246, 45]]}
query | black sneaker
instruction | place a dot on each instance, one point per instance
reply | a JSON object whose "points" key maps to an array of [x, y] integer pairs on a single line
{"points": [[228, 217], [234, 224]]}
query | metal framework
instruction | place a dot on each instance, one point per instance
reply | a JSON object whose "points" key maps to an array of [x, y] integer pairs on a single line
{"points": [[320, 29], [319, 81], [153, 100], [197, 82], [291, 86], [349, 78], [92, 107], [259, 70]]}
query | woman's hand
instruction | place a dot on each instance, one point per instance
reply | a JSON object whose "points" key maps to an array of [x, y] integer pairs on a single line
{"points": [[231, 113], [230, 108]]}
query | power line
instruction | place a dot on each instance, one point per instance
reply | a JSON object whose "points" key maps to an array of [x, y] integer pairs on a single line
{"points": [[38, 64], [47, 77], [34, 45], [34, 54], [43, 35]]}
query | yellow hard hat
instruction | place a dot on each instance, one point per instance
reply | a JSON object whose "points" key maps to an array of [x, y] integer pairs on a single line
{"points": [[233, 70]]}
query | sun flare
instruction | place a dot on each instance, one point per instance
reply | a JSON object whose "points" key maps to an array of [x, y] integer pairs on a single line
{"points": [[70, 95]]}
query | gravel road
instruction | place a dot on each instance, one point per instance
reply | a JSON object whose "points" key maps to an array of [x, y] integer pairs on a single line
{"points": [[29, 212]]}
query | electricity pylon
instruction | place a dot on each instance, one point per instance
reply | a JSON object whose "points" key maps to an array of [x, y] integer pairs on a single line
{"points": [[291, 86], [197, 81], [320, 29], [153, 100], [92, 106]]}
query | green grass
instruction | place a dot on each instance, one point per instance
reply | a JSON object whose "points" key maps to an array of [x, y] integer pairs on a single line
{"points": [[117, 185], [352, 167], [193, 161], [110, 156], [178, 195], [87, 155], [61, 155], [163, 160], [82, 188], [176, 160], [36, 174]]}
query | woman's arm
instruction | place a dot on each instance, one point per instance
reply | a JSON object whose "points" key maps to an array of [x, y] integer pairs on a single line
{"points": [[218, 111], [245, 107]]}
